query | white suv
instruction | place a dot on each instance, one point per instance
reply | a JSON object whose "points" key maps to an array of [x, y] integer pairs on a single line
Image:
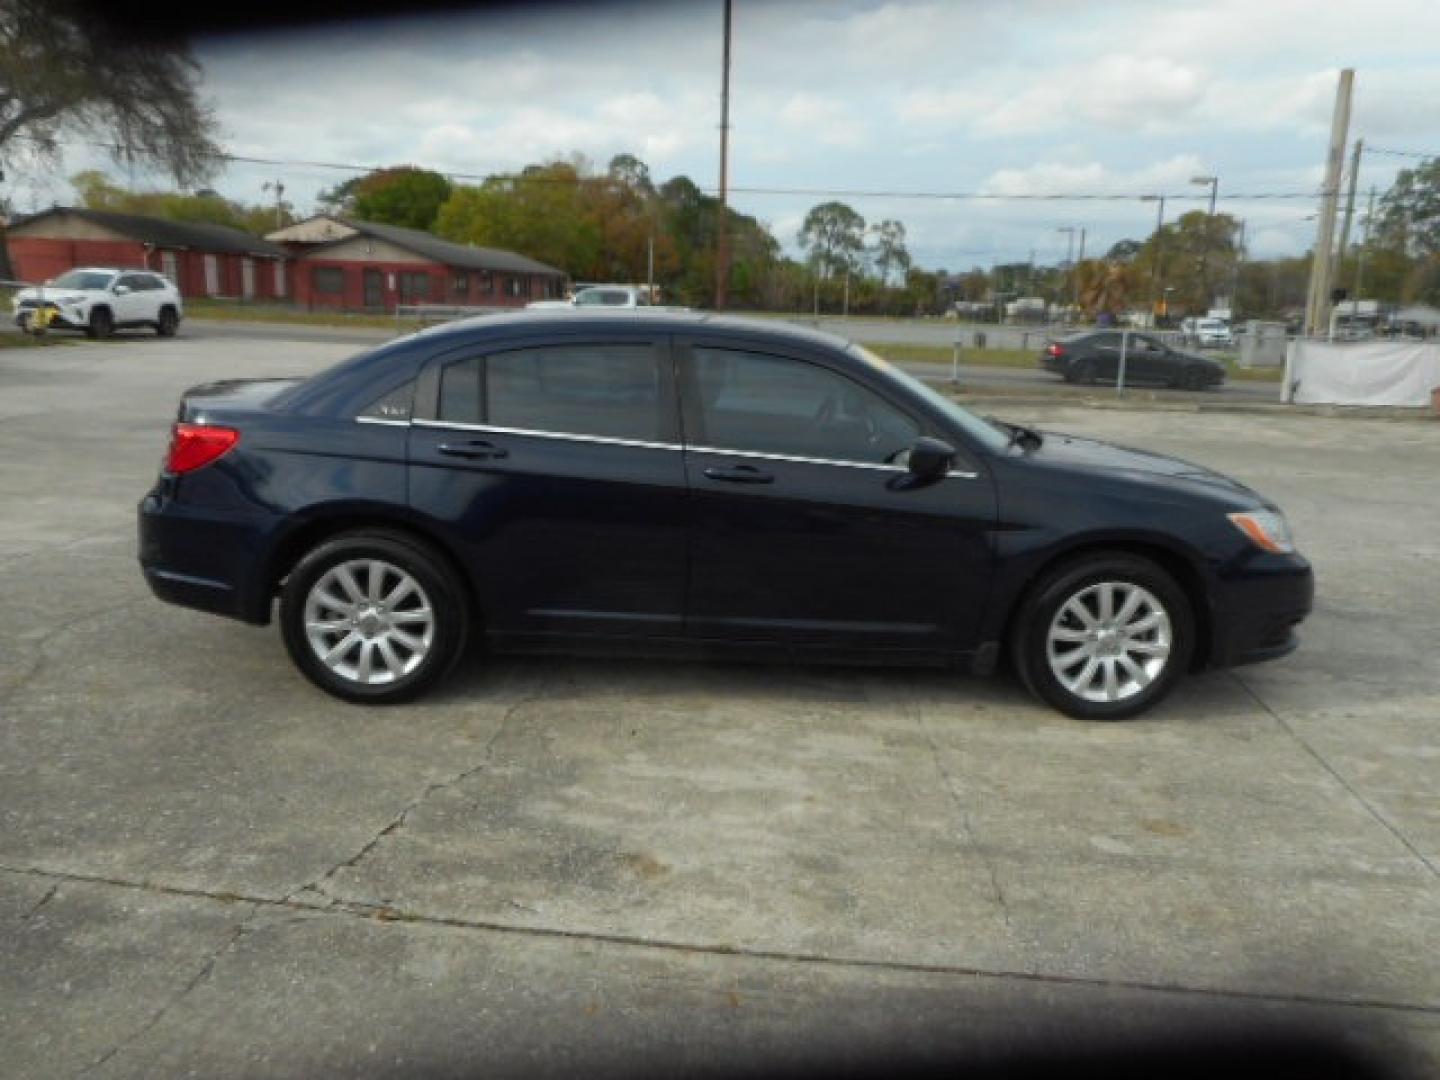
{"points": [[101, 299]]}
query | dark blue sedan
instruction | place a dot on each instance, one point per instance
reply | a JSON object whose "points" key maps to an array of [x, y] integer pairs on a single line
{"points": [[661, 483]]}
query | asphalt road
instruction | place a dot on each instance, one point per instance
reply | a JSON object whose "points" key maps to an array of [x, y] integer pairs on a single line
{"points": [[554, 867], [972, 376]]}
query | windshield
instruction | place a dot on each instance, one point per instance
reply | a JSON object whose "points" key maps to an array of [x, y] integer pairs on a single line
{"points": [[82, 279], [982, 431]]}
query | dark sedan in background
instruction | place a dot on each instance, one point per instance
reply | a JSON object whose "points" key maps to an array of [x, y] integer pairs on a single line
{"points": [[665, 483], [1094, 356]]}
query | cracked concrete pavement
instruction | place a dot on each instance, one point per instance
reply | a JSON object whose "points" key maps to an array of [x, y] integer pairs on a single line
{"points": [[556, 865]]}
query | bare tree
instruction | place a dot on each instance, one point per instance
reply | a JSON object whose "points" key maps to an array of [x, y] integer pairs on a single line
{"points": [[66, 71]]}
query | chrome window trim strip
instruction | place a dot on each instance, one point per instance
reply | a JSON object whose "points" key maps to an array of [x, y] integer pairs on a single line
{"points": [[606, 440], [603, 440], [382, 422]]}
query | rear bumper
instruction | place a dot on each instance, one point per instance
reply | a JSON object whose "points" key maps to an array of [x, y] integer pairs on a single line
{"points": [[206, 561], [1259, 608]]}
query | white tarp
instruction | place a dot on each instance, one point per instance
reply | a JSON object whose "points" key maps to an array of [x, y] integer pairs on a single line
{"points": [[1364, 373]]}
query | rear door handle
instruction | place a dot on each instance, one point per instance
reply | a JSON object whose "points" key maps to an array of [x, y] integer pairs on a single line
{"points": [[740, 474], [474, 448]]}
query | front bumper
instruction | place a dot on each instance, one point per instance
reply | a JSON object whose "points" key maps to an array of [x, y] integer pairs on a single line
{"points": [[1258, 608]]}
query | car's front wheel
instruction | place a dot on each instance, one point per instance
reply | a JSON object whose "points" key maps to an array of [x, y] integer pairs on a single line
{"points": [[101, 325], [373, 616], [1103, 637]]}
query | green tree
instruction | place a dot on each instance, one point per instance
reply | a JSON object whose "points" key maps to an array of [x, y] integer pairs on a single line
{"points": [[96, 191], [404, 195], [1191, 257], [890, 251], [833, 237], [1409, 212], [65, 70]]}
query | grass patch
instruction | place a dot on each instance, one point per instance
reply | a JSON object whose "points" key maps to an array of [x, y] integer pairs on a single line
{"points": [[223, 312], [30, 341], [898, 353]]}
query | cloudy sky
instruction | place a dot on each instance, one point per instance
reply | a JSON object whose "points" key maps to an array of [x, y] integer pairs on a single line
{"points": [[999, 97]]}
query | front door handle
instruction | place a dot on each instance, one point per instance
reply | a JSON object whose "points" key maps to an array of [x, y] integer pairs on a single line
{"points": [[474, 448], [740, 474]]}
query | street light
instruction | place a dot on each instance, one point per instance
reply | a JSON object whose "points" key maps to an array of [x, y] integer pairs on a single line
{"points": [[1214, 182], [1159, 240], [1071, 230]]}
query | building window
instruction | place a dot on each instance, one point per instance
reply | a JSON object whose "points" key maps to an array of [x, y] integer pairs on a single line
{"points": [[212, 275], [414, 285], [170, 267], [460, 284], [328, 280], [280, 279], [484, 283], [515, 286]]}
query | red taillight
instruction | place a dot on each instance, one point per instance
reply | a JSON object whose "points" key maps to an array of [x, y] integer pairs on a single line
{"points": [[194, 445], [1055, 350]]}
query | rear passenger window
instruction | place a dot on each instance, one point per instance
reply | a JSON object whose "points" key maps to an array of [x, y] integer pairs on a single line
{"points": [[606, 390], [460, 392]]}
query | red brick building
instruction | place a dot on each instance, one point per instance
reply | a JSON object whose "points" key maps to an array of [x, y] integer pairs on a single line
{"points": [[362, 266], [201, 259]]}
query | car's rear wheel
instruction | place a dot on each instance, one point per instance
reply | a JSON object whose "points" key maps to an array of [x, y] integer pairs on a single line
{"points": [[1084, 372], [1194, 379], [102, 324], [167, 323], [373, 617], [1103, 637]]}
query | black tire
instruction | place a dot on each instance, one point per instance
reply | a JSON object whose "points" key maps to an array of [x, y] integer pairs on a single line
{"points": [[1084, 372], [1194, 379], [168, 322], [101, 325], [441, 588], [1057, 587]]}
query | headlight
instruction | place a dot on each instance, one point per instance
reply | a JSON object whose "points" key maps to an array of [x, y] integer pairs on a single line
{"points": [[1267, 529]]}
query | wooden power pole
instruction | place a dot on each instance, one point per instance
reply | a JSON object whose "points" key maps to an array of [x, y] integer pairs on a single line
{"points": [[1317, 308], [722, 240]]}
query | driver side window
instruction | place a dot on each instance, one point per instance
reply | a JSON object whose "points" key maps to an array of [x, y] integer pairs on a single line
{"points": [[774, 405]]}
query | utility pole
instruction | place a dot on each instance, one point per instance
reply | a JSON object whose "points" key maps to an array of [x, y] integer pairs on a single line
{"points": [[1360, 256], [650, 267], [1235, 277], [1350, 200], [279, 188], [1317, 309], [722, 241], [1075, 290]]}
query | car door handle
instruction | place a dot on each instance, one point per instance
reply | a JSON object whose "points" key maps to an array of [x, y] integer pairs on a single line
{"points": [[474, 448], [740, 474]]}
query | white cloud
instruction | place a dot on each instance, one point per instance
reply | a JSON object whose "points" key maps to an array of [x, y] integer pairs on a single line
{"points": [[825, 120]]}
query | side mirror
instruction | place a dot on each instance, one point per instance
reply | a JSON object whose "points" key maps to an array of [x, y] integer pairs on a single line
{"points": [[930, 459], [121, 290]]}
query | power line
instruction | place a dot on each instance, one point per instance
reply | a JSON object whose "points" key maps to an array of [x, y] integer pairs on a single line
{"points": [[1402, 153], [841, 193]]}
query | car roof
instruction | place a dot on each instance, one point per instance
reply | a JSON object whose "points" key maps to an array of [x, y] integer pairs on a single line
{"points": [[672, 321]]}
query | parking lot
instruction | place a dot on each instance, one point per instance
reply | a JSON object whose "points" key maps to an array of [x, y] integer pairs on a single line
{"points": [[557, 866]]}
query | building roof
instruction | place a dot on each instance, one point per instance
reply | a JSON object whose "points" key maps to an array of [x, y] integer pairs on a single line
{"points": [[463, 256], [165, 233]]}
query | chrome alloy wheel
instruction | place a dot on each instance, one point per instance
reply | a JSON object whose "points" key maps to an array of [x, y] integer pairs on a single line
{"points": [[1109, 641], [369, 621]]}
